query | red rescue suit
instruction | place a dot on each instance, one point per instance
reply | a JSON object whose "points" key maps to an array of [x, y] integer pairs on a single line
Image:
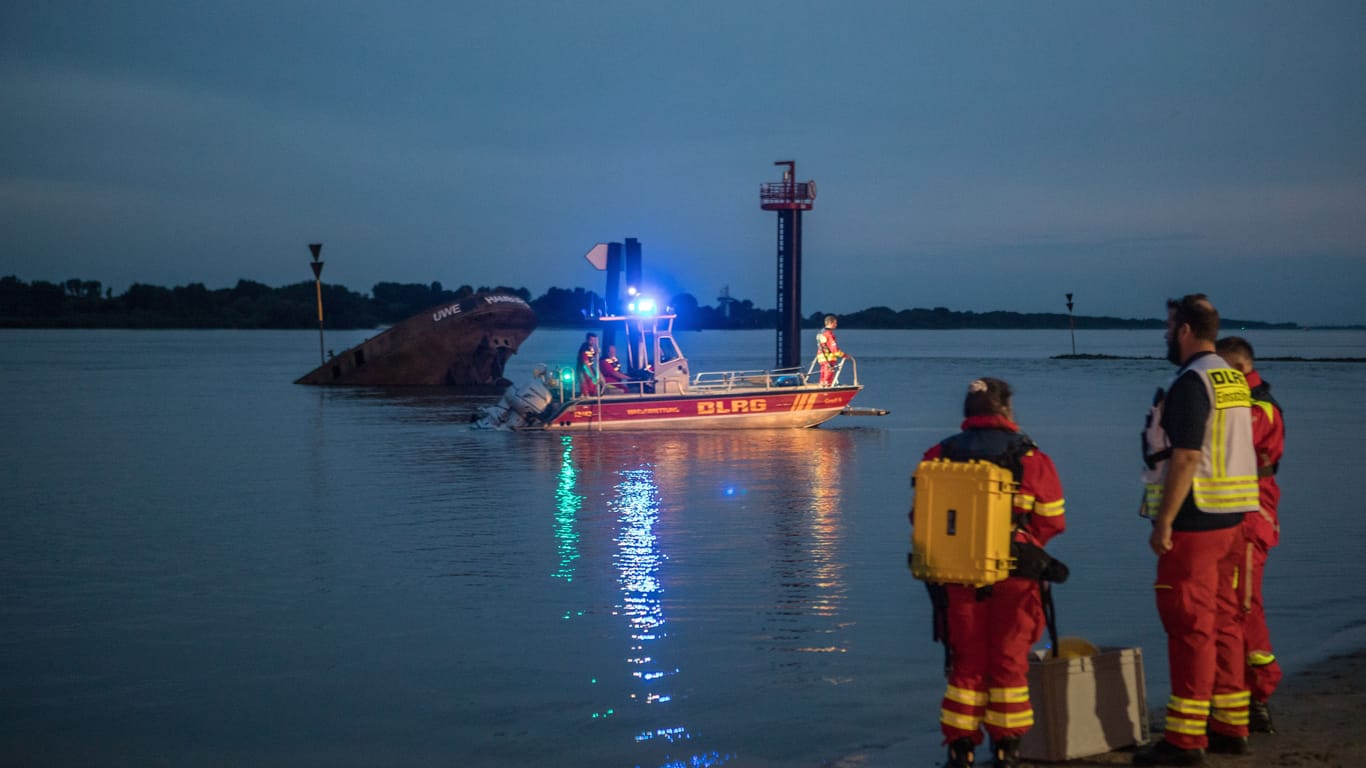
{"points": [[828, 354], [1206, 408], [612, 375], [991, 631], [1263, 531], [1199, 611]]}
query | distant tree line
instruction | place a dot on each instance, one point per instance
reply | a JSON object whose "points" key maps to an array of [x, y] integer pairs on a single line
{"points": [[249, 304]]}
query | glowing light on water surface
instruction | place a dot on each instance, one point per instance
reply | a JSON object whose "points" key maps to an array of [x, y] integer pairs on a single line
{"points": [[638, 562], [638, 557], [567, 506]]}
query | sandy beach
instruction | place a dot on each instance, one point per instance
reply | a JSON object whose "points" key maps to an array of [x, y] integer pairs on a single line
{"points": [[1317, 712]]}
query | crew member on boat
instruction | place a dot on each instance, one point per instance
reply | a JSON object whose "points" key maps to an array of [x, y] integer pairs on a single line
{"points": [[589, 378], [828, 352], [610, 367]]}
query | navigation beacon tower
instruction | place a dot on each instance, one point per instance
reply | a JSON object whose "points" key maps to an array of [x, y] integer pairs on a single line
{"points": [[789, 198]]}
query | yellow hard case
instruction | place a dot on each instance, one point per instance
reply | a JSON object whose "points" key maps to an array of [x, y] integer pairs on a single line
{"points": [[962, 522]]}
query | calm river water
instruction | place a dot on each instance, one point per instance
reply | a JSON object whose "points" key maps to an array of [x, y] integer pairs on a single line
{"points": [[203, 564]]}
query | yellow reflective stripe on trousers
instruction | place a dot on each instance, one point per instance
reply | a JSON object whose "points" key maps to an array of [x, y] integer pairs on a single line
{"points": [[1023, 719], [1231, 716], [1187, 727], [1009, 695], [959, 720], [1231, 700], [965, 696], [1188, 706]]}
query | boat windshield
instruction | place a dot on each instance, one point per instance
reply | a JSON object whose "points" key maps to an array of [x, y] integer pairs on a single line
{"points": [[668, 350]]}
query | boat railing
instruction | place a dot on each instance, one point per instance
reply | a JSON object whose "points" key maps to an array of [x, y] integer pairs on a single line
{"points": [[776, 378], [814, 369], [564, 385], [722, 381]]}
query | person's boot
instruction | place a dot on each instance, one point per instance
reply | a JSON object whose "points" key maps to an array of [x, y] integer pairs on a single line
{"points": [[1166, 753], [961, 753], [1006, 753], [1223, 744], [1259, 718]]}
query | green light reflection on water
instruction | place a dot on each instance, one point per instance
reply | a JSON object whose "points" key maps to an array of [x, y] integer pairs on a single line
{"points": [[567, 505]]}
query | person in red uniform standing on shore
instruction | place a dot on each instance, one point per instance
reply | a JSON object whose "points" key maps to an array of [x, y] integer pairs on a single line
{"points": [[1262, 529], [990, 630], [828, 352], [1201, 479]]}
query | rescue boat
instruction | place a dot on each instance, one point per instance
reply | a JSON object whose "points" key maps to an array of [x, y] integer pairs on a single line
{"points": [[662, 393]]}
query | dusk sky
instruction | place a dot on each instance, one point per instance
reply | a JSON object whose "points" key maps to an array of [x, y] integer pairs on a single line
{"points": [[970, 155]]}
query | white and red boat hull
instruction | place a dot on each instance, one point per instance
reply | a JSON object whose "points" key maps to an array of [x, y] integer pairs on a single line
{"points": [[760, 409]]}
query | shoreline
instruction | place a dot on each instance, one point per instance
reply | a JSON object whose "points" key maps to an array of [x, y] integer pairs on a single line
{"points": [[1316, 712]]}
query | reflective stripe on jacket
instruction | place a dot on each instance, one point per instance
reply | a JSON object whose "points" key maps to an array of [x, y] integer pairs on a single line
{"points": [[827, 349], [1226, 480]]}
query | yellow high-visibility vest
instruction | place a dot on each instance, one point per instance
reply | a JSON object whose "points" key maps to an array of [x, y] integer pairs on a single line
{"points": [[1226, 480]]}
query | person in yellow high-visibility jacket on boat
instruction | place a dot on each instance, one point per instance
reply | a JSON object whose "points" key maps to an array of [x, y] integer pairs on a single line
{"points": [[828, 352]]}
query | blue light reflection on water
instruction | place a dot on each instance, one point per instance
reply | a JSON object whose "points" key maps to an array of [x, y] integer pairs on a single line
{"points": [[639, 561]]}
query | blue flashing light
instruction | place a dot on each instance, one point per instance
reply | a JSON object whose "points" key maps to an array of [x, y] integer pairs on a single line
{"points": [[643, 306]]}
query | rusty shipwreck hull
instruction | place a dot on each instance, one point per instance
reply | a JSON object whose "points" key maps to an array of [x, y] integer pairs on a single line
{"points": [[462, 343]]}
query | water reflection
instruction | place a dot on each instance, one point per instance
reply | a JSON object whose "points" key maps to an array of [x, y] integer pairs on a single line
{"points": [[807, 549], [804, 625], [638, 560], [632, 495], [660, 493], [568, 502]]}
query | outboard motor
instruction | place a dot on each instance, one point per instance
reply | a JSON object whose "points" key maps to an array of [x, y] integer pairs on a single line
{"points": [[517, 407]]}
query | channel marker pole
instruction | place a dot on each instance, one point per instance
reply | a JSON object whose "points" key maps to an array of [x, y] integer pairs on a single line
{"points": [[317, 249], [1072, 324]]}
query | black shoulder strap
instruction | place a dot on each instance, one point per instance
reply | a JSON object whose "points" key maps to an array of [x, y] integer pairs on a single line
{"points": [[1050, 616], [1019, 447], [1263, 392]]}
